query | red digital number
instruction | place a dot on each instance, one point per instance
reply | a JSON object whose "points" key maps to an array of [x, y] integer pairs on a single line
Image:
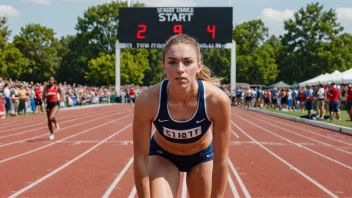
{"points": [[211, 30], [142, 30], [178, 29]]}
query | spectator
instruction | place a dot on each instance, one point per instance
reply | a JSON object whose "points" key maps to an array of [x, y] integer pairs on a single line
{"points": [[8, 101], [289, 99], [349, 101], [334, 94], [309, 100], [22, 100], [320, 102]]}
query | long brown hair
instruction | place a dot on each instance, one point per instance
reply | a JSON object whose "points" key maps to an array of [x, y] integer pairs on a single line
{"points": [[205, 73]]}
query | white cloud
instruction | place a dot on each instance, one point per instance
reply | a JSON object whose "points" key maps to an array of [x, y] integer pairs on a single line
{"points": [[42, 2], [274, 19], [168, 3], [344, 13], [276, 15], [8, 11], [344, 16]]}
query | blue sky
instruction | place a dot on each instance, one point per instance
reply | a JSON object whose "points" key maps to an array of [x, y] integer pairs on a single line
{"points": [[61, 15]]}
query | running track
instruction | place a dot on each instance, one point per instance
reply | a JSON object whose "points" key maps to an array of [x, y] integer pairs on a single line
{"points": [[92, 156]]}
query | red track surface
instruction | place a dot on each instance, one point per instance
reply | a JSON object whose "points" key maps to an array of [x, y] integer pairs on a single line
{"points": [[92, 156]]}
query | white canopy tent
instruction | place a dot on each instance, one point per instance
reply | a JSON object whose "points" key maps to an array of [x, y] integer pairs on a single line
{"points": [[346, 77], [304, 83], [336, 77], [333, 77], [315, 80]]}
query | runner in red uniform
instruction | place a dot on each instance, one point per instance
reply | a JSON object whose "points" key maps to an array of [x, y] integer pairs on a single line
{"points": [[52, 104], [132, 96], [349, 101]]}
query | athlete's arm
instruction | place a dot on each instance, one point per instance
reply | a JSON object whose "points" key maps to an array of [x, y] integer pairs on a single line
{"points": [[142, 125], [220, 112], [43, 94], [61, 95]]}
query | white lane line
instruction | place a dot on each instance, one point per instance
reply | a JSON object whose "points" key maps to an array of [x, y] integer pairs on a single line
{"points": [[66, 164], [232, 186], [314, 140], [184, 186], [133, 192], [308, 131], [11, 128], [234, 133], [81, 118], [40, 148], [299, 145], [71, 126], [118, 178], [288, 164], [238, 178]]}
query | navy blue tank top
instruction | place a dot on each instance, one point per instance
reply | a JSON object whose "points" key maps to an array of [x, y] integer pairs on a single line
{"points": [[182, 131]]}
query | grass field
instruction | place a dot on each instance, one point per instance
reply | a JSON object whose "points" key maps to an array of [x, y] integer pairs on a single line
{"points": [[343, 122]]}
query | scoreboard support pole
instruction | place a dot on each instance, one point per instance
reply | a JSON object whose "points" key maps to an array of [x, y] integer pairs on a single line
{"points": [[119, 46], [233, 69]]}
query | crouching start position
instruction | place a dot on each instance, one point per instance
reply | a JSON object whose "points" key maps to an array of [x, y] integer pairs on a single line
{"points": [[192, 120]]}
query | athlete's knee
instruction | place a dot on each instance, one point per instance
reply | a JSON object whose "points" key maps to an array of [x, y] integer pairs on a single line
{"points": [[51, 118]]}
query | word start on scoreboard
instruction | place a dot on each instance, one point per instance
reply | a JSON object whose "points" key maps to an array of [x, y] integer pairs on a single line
{"points": [[152, 27]]}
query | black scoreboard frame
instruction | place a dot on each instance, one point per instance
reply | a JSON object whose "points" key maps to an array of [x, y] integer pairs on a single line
{"points": [[151, 27]]}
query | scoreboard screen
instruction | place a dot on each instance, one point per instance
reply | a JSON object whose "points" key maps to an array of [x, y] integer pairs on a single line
{"points": [[149, 27]]}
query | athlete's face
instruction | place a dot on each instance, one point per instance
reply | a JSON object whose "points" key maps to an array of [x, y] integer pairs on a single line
{"points": [[181, 64], [51, 81]]}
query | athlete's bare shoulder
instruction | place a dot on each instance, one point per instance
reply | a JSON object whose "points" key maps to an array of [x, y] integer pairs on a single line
{"points": [[147, 102], [216, 99]]}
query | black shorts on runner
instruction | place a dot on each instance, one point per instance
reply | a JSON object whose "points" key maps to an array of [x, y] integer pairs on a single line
{"points": [[38, 102], [50, 105]]}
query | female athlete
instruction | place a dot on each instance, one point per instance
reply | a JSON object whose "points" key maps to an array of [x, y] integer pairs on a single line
{"points": [[52, 104], [182, 109]]}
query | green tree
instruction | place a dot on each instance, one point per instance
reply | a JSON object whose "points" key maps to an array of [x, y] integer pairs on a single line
{"points": [[154, 72], [38, 44], [97, 32], [102, 70], [309, 33], [336, 55], [218, 61], [133, 66], [255, 60], [67, 71], [4, 32], [12, 62], [265, 69]]}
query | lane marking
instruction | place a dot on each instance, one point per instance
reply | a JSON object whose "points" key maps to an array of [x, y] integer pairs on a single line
{"points": [[21, 141], [184, 186], [300, 146], [234, 133], [40, 148], [303, 129], [65, 118], [36, 129], [288, 164], [232, 186], [66, 164], [133, 192], [326, 144], [238, 178], [118, 178]]}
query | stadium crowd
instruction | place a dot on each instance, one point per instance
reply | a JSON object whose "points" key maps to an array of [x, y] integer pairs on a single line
{"points": [[321, 102], [26, 97]]}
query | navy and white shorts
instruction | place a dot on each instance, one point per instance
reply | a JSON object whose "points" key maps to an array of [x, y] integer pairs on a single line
{"points": [[184, 163]]}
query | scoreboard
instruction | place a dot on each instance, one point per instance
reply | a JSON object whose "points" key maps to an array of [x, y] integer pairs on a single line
{"points": [[149, 27]]}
